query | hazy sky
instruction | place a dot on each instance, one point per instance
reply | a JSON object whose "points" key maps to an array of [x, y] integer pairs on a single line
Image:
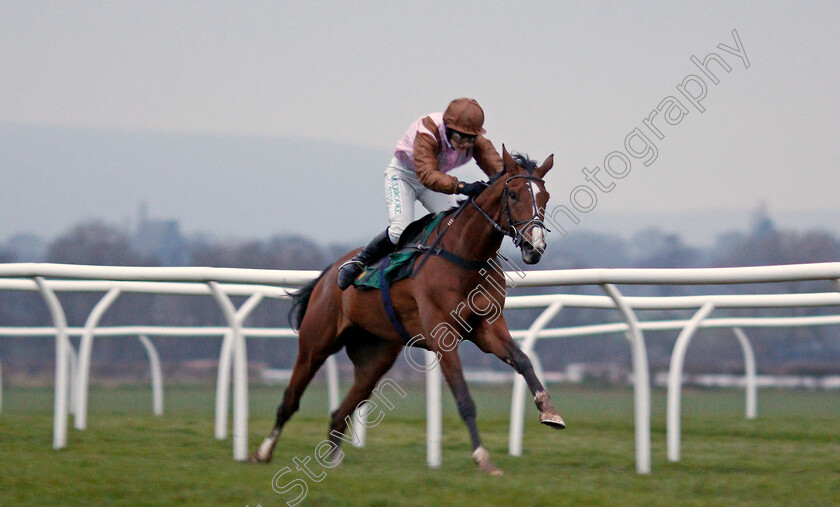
{"points": [[569, 78]]}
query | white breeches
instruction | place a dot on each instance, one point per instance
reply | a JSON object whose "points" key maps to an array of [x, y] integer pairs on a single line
{"points": [[402, 189]]}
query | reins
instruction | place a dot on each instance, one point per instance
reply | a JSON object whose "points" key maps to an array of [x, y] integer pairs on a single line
{"points": [[511, 231], [430, 250], [436, 249]]}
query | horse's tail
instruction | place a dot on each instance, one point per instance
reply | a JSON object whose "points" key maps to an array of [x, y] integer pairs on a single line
{"points": [[300, 301]]}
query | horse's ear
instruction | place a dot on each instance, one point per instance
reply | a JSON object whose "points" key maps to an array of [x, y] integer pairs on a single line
{"points": [[508, 163], [545, 167]]}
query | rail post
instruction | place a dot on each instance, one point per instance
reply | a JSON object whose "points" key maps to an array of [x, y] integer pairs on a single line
{"points": [[641, 379], [434, 422], [228, 346], [85, 350], [240, 374], [62, 358], [675, 375], [749, 373], [156, 373], [332, 384]]}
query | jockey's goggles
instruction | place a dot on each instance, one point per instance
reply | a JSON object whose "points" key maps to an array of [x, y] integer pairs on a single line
{"points": [[460, 137]]}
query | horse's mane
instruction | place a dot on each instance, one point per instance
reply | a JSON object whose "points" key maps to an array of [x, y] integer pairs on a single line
{"points": [[525, 162]]}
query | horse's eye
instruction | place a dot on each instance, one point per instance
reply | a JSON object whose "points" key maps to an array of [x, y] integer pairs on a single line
{"points": [[511, 194]]}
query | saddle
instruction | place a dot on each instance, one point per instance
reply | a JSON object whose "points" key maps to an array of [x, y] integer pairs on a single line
{"points": [[401, 262]]}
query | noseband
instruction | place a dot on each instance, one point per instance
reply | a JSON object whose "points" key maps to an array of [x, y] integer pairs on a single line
{"points": [[512, 230]]}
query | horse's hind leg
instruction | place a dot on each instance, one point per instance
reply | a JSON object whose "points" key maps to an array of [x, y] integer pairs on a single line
{"points": [[310, 358], [371, 357], [450, 364]]}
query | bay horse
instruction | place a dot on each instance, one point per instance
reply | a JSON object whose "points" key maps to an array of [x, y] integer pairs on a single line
{"points": [[431, 306]]}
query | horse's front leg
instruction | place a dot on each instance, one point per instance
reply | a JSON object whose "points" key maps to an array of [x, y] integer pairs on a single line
{"points": [[450, 365], [494, 338]]}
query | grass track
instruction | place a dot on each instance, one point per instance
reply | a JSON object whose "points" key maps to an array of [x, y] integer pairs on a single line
{"points": [[790, 455]]}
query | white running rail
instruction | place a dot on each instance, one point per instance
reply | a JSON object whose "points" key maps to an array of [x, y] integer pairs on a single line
{"points": [[221, 283]]}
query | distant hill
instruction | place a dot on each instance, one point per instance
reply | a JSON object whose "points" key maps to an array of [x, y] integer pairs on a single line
{"points": [[253, 187], [702, 227], [52, 177]]}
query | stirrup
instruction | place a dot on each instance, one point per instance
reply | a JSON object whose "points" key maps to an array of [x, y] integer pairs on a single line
{"points": [[352, 261]]}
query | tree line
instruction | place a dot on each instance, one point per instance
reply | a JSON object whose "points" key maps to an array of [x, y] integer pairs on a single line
{"points": [[155, 244]]}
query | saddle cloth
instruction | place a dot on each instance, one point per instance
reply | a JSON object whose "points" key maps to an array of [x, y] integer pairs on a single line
{"points": [[402, 261]]}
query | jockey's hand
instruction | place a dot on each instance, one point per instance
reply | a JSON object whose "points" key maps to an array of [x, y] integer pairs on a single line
{"points": [[471, 189]]}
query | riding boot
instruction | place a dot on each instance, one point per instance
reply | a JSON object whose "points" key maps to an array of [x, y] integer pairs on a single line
{"points": [[380, 245]]}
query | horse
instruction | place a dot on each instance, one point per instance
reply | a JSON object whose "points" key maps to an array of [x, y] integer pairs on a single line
{"points": [[431, 306]]}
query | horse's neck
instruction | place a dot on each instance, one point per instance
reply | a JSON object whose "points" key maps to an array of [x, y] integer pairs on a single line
{"points": [[473, 236]]}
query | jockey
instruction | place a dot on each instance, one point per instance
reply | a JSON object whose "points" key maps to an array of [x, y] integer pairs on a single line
{"points": [[432, 146]]}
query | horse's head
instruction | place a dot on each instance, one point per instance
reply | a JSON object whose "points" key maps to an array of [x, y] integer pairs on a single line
{"points": [[523, 201]]}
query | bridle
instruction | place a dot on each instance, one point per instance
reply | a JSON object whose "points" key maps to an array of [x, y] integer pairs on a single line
{"points": [[518, 238], [512, 231]]}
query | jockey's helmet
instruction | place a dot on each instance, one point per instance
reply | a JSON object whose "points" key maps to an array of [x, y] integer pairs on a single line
{"points": [[464, 115]]}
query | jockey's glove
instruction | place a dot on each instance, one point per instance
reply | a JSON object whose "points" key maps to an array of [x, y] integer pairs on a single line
{"points": [[471, 189]]}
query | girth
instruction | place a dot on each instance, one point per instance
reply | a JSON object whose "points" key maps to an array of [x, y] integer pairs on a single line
{"points": [[437, 250], [449, 256]]}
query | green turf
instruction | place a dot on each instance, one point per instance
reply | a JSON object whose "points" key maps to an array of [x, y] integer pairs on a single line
{"points": [[790, 455]]}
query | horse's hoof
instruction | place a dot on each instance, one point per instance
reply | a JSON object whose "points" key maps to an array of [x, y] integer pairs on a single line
{"points": [[482, 459], [553, 420], [256, 458], [493, 471], [335, 458], [263, 452]]}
